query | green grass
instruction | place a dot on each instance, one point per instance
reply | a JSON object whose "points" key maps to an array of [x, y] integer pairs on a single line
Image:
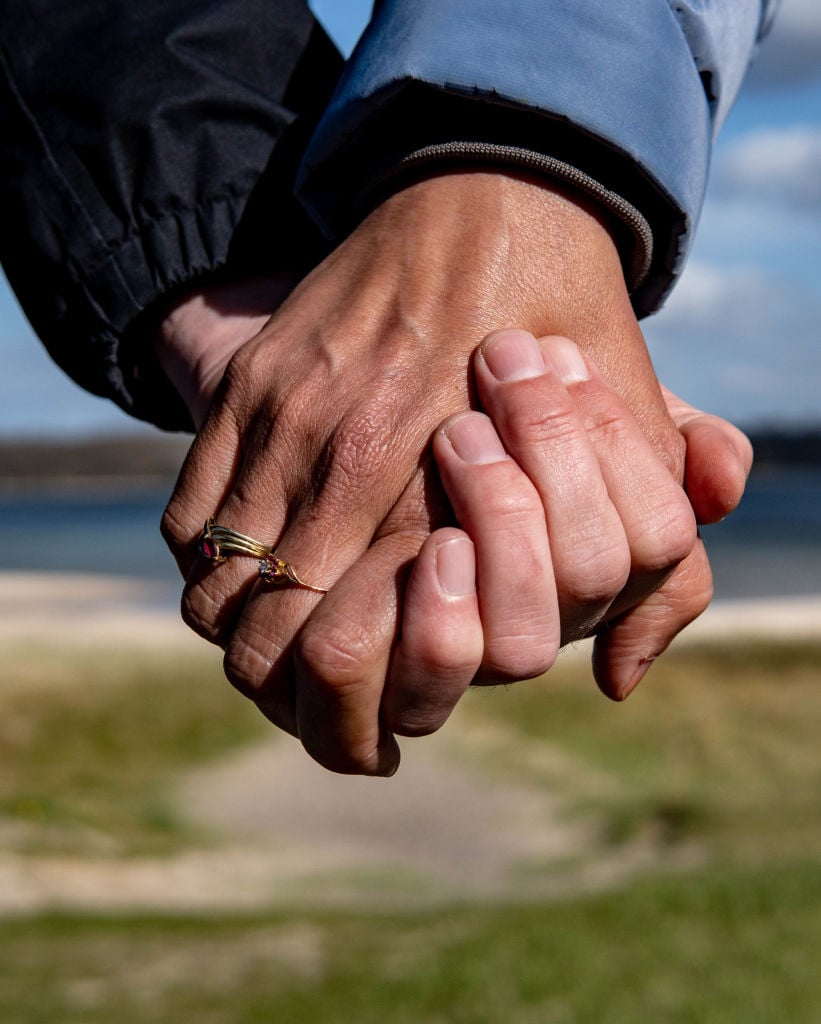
{"points": [[718, 750], [90, 741], [714, 948], [719, 743]]}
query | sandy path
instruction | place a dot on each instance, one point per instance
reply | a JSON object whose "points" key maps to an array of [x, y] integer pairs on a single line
{"points": [[288, 832], [88, 611], [292, 833], [438, 833]]}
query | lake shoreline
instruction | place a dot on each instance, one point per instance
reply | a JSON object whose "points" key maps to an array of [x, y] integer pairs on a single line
{"points": [[85, 609]]}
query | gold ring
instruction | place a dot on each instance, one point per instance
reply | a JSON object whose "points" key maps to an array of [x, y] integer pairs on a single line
{"points": [[280, 574], [216, 543]]}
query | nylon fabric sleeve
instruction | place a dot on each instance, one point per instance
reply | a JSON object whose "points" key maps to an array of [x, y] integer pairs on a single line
{"points": [[148, 146], [629, 91], [143, 144]]}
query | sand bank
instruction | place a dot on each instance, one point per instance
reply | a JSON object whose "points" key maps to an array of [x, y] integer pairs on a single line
{"points": [[89, 610], [318, 839]]}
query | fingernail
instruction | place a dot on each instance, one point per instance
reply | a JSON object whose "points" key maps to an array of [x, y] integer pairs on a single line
{"points": [[513, 355], [636, 678], [474, 439], [388, 755], [568, 360], [456, 567]]}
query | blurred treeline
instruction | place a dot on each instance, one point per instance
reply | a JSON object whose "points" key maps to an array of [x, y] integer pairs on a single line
{"points": [[160, 456], [145, 457]]}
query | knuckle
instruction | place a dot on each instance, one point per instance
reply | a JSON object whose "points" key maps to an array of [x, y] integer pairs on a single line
{"points": [[357, 451], [203, 614], [247, 666], [513, 509], [448, 658], [175, 526], [292, 412], [336, 660], [249, 366], [421, 714], [279, 713], [672, 450], [335, 656], [418, 721], [695, 587], [539, 425], [669, 538], [352, 761], [597, 578], [702, 596], [515, 658], [744, 448], [607, 426]]}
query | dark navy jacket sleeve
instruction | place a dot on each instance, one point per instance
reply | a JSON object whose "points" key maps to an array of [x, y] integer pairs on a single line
{"points": [[149, 145], [630, 92]]}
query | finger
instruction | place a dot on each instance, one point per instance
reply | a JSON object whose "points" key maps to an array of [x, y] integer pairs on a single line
{"points": [[517, 593], [216, 591], [655, 513], [341, 660], [441, 644], [612, 508], [270, 465], [214, 594], [275, 500], [318, 477], [718, 460], [325, 685], [498, 507], [527, 392], [260, 648], [287, 640], [625, 649], [204, 481]]}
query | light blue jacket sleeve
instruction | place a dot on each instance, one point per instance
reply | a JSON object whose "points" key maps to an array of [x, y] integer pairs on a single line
{"points": [[629, 92]]}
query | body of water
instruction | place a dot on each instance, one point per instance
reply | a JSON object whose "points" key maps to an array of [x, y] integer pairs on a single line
{"points": [[91, 532], [770, 547]]}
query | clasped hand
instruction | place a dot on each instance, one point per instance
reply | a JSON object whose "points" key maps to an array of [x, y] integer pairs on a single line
{"points": [[555, 513]]}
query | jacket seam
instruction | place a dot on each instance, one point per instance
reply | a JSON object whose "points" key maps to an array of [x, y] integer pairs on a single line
{"points": [[55, 173]]}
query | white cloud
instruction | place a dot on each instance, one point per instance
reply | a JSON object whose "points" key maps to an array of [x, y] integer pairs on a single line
{"points": [[781, 165], [735, 300], [743, 342], [792, 52]]}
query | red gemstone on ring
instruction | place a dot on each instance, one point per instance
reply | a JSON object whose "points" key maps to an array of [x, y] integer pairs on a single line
{"points": [[209, 548]]}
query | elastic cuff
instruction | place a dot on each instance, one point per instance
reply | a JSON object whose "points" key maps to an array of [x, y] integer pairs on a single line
{"points": [[421, 128], [634, 240]]}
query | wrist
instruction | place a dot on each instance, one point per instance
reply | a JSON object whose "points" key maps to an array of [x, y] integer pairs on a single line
{"points": [[200, 333], [552, 266], [627, 225]]}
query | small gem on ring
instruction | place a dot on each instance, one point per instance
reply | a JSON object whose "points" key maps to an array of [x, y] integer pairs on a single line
{"points": [[280, 573], [209, 548], [273, 570]]}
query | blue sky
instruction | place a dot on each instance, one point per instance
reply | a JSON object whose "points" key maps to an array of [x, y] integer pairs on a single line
{"points": [[741, 335]]}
